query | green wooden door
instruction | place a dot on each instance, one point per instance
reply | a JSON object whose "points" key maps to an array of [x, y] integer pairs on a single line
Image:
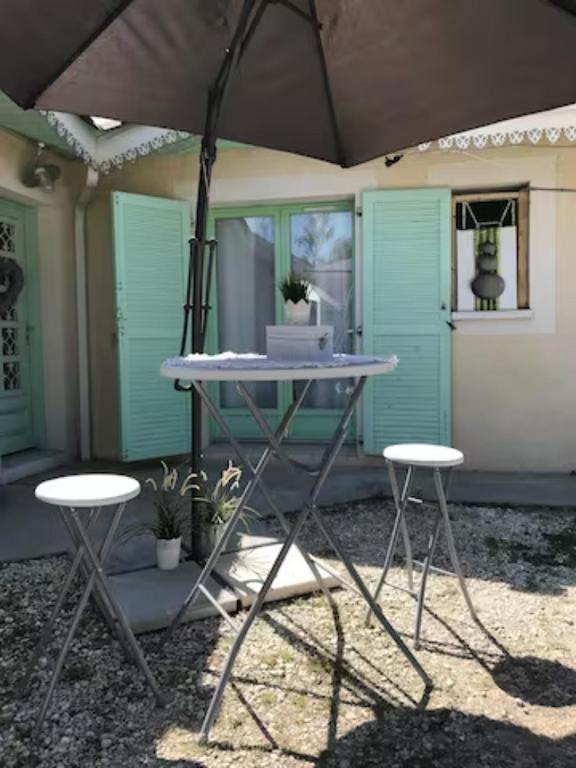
{"points": [[406, 308], [17, 411], [150, 257]]}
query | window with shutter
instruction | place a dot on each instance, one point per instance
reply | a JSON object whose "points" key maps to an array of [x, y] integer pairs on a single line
{"points": [[406, 310]]}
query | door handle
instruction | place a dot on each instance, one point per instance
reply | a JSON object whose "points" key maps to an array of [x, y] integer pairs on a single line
{"points": [[451, 325]]}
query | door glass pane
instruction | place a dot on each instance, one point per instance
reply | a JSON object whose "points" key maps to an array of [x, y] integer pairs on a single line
{"points": [[322, 251], [11, 331], [245, 281]]}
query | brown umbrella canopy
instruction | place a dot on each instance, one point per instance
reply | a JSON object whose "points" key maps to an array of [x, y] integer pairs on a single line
{"points": [[340, 80]]}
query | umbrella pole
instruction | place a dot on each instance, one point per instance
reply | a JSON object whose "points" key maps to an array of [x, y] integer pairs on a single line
{"points": [[200, 311], [198, 292]]}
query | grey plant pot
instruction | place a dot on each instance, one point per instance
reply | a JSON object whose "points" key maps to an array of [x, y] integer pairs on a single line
{"points": [[168, 553], [207, 535], [297, 314]]}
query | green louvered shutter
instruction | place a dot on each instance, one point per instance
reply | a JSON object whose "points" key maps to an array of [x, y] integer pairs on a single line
{"points": [[150, 255], [406, 255]]}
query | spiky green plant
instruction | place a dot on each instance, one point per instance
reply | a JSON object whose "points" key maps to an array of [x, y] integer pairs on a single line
{"points": [[171, 520], [221, 502], [294, 287]]}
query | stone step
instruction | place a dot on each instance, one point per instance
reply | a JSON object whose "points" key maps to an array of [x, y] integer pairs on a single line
{"points": [[17, 466], [245, 572]]}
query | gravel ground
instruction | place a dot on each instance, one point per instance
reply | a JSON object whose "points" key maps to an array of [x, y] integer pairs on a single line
{"points": [[317, 687]]}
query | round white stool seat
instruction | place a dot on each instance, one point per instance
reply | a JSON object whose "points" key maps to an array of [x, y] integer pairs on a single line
{"points": [[423, 455], [95, 490]]}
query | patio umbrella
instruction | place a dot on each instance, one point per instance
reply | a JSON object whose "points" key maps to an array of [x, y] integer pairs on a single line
{"points": [[339, 80]]}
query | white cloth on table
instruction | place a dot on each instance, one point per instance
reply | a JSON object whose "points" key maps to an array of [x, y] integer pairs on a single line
{"points": [[242, 361]]}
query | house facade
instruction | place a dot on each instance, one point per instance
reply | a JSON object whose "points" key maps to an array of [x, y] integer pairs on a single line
{"points": [[457, 257]]}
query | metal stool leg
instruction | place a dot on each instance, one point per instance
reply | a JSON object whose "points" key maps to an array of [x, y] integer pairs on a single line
{"points": [[98, 574], [49, 626], [75, 618], [450, 541], [433, 540], [400, 501], [100, 601], [408, 552]]}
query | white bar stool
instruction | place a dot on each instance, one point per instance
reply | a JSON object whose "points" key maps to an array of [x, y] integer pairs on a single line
{"points": [[77, 497], [436, 458]]}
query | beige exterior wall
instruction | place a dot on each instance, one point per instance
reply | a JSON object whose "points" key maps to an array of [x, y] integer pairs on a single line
{"points": [[55, 214], [514, 393]]}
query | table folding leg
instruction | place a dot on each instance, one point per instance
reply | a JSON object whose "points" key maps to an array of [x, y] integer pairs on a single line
{"points": [[247, 464], [274, 447]]}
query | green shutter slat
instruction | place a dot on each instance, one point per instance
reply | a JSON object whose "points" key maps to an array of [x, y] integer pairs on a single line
{"points": [[150, 257], [406, 254]]}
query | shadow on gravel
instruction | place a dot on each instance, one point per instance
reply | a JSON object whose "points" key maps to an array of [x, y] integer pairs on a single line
{"points": [[531, 550], [536, 681], [409, 738], [542, 682], [102, 713]]}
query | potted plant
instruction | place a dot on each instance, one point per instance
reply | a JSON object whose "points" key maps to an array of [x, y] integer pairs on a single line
{"points": [[296, 292], [171, 519], [218, 504]]}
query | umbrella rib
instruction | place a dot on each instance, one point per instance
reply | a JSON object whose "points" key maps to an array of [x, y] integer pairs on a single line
{"points": [[333, 119], [252, 28], [563, 6], [234, 52], [78, 52], [289, 4]]}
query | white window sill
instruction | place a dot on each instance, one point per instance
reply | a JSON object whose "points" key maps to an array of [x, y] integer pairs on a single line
{"points": [[496, 314]]}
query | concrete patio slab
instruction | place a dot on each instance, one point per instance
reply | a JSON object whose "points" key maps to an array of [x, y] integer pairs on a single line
{"points": [[245, 572], [151, 598]]}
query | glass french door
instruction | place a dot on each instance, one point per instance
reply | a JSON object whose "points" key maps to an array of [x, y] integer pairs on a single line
{"points": [[258, 246], [322, 250]]}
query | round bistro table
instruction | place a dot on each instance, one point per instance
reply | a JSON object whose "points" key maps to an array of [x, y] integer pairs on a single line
{"points": [[200, 371]]}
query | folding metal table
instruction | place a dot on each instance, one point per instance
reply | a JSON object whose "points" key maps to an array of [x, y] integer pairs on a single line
{"points": [[201, 371]]}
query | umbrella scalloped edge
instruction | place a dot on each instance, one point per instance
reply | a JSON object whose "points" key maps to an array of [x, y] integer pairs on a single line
{"points": [[484, 140], [97, 157], [142, 146]]}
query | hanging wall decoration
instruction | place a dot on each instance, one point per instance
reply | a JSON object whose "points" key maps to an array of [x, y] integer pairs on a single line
{"points": [[486, 254], [11, 283], [488, 285]]}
